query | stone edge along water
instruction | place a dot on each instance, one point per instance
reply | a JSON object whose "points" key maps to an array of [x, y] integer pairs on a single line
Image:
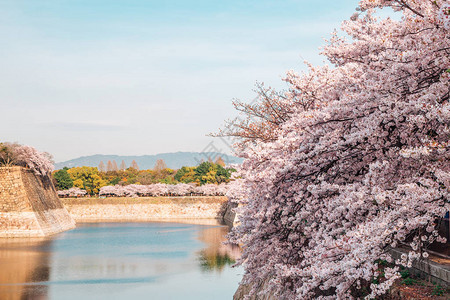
{"points": [[144, 209], [29, 205]]}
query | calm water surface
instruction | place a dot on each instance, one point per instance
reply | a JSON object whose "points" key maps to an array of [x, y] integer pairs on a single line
{"points": [[121, 261]]}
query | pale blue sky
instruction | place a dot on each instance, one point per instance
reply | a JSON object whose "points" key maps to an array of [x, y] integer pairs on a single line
{"points": [[143, 77]]}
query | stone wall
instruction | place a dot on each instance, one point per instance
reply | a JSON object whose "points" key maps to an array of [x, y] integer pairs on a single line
{"points": [[427, 268], [145, 208], [244, 290], [29, 206], [229, 216]]}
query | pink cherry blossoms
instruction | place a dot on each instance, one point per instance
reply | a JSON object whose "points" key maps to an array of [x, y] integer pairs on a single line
{"points": [[444, 15], [26, 156], [161, 189], [351, 160], [72, 192]]}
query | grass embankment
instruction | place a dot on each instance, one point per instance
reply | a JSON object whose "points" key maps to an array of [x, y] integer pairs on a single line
{"points": [[145, 200]]}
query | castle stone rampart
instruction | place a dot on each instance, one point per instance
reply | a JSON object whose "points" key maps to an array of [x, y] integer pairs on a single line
{"points": [[29, 205]]}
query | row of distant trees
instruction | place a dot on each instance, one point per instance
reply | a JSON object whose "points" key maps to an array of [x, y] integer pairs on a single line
{"points": [[111, 166], [153, 190], [92, 179]]}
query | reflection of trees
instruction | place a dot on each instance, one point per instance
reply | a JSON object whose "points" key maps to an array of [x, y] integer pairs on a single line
{"points": [[21, 263], [215, 262], [217, 255]]}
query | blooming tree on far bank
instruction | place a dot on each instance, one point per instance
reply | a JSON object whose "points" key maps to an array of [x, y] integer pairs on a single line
{"points": [[351, 160], [153, 190], [161, 189], [72, 192]]}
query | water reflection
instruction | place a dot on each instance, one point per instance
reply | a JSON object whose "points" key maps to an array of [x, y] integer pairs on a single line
{"points": [[24, 261], [120, 261], [217, 255]]}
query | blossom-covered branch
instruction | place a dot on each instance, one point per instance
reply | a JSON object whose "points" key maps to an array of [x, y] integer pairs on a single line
{"points": [[359, 162], [26, 156]]}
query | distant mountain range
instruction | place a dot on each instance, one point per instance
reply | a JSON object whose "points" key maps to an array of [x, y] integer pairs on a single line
{"points": [[173, 160]]}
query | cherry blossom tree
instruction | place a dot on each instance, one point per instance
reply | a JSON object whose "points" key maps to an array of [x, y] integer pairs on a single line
{"points": [[111, 191], [208, 189], [162, 189], [181, 189], [72, 192], [26, 156], [350, 161]]}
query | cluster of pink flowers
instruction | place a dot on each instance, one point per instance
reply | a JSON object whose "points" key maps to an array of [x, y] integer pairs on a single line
{"points": [[72, 192], [26, 156], [355, 162], [444, 15], [161, 189], [39, 162]]}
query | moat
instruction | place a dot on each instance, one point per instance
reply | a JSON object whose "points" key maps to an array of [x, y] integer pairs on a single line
{"points": [[121, 261]]}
